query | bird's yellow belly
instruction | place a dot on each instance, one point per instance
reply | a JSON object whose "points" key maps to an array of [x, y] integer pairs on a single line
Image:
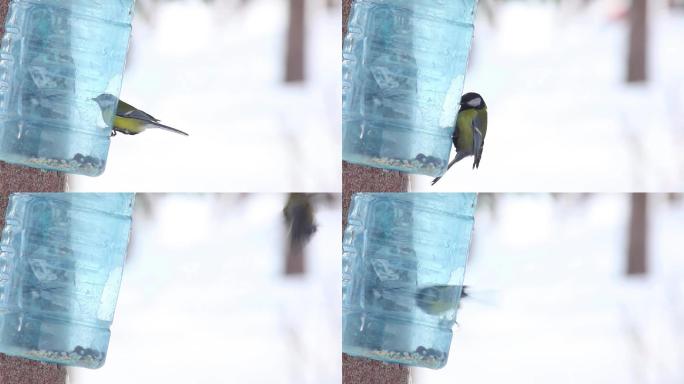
{"points": [[128, 125], [465, 133]]}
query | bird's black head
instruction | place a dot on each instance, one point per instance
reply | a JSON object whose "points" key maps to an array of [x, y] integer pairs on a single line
{"points": [[106, 100], [472, 100]]}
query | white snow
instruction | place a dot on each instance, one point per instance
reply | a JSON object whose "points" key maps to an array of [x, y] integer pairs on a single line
{"points": [[216, 72], [203, 298], [551, 302]]}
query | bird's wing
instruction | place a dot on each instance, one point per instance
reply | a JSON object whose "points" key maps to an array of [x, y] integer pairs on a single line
{"points": [[478, 140], [126, 110], [454, 136]]}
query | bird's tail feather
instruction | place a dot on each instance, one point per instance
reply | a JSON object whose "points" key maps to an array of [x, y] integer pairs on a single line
{"points": [[486, 297], [166, 127]]}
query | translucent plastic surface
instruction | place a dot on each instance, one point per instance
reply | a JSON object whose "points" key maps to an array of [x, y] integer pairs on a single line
{"points": [[55, 57], [61, 260], [403, 72], [404, 258]]}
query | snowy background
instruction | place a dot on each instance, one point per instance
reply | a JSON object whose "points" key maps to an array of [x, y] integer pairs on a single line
{"points": [[561, 117], [215, 70], [204, 300], [551, 302]]}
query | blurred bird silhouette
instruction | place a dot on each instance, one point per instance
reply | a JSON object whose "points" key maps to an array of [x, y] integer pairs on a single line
{"points": [[300, 223]]}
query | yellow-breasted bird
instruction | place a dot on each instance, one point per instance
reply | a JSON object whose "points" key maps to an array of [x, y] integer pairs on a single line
{"points": [[128, 120], [438, 299], [301, 225], [300, 217], [471, 129]]}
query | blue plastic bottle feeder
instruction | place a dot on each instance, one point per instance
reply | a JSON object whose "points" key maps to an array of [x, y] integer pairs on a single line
{"points": [[61, 261], [57, 56], [404, 64], [404, 258]]}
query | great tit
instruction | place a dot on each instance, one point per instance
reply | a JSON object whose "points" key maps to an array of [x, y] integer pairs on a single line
{"points": [[299, 217], [438, 299], [128, 119], [470, 131]]}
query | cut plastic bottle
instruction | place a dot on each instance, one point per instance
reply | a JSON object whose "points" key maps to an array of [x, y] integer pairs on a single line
{"points": [[403, 69], [404, 258], [57, 56], [61, 262]]}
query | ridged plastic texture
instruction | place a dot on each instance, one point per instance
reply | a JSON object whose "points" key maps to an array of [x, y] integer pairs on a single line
{"points": [[404, 64], [61, 261], [55, 57], [404, 258]]}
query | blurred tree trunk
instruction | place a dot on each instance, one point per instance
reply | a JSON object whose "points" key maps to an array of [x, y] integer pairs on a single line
{"points": [[637, 251], [638, 38], [673, 4], [296, 42], [637, 256], [295, 260]]}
